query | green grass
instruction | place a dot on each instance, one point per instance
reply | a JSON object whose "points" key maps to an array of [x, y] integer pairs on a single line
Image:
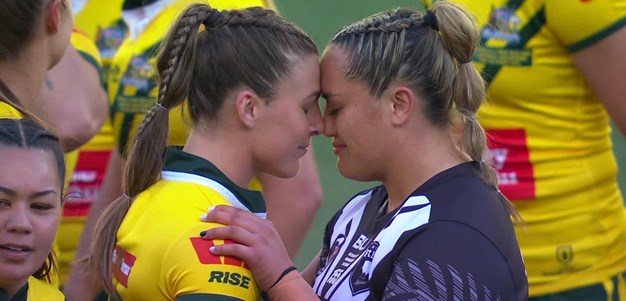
{"points": [[322, 19]]}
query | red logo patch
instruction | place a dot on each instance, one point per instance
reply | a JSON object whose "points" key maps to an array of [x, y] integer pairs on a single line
{"points": [[123, 263], [85, 183], [206, 257], [511, 158]]}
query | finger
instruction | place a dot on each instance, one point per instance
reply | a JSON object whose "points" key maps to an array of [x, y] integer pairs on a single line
{"points": [[234, 233], [232, 249], [234, 217]]}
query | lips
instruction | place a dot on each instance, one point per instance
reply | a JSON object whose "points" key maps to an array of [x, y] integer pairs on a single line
{"points": [[14, 252], [338, 147]]}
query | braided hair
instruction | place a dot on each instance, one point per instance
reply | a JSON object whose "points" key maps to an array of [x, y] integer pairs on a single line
{"points": [[206, 54], [432, 54]]}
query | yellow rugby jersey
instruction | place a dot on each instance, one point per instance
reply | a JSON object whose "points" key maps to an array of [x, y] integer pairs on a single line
{"points": [[75, 208], [549, 136], [159, 254], [35, 289]]}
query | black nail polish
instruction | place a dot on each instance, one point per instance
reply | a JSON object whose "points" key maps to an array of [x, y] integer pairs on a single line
{"points": [[203, 233]]}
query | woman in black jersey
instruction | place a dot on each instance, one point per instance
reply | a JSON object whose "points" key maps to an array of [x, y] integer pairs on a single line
{"points": [[402, 97]]}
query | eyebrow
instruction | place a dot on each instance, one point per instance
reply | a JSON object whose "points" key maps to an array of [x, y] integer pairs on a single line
{"points": [[35, 195], [315, 95]]}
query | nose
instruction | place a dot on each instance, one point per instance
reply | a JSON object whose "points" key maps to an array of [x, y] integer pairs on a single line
{"points": [[19, 220], [316, 124]]}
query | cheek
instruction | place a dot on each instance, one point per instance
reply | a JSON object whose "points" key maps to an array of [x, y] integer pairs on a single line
{"points": [[46, 229]]}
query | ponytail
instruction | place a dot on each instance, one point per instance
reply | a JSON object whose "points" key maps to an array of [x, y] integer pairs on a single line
{"points": [[460, 36], [145, 161]]}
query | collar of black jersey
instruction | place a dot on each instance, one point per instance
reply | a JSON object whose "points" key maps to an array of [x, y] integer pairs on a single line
{"points": [[21, 295], [180, 161], [132, 4]]}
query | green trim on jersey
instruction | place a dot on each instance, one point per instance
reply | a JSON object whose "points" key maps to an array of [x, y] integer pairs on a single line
{"points": [[93, 62], [597, 36], [205, 297], [180, 161], [533, 26]]}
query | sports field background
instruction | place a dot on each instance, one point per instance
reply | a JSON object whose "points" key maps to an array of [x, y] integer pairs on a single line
{"points": [[321, 19]]}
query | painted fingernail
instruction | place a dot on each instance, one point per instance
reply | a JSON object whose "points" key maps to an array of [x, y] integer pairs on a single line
{"points": [[211, 208], [204, 216], [212, 249], [203, 233]]}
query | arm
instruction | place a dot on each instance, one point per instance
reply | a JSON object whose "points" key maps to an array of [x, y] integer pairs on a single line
{"points": [[73, 101], [81, 285], [309, 272], [604, 66], [293, 203]]}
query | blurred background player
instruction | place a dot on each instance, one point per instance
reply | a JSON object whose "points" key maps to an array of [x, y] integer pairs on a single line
{"points": [[555, 72]]}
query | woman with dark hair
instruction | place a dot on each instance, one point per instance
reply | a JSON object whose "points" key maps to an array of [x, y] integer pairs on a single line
{"points": [[31, 199]]}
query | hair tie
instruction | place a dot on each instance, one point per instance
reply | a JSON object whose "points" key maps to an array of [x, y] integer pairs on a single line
{"points": [[431, 20], [160, 106], [213, 19]]}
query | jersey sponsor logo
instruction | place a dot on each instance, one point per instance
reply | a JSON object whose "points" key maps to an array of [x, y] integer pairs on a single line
{"points": [[511, 158], [85, 183], [231, 278], [564, 254], [202, 246], [359, 281], [503, 29], [123, 262], [504, 25], [138, 86], [109, 39]]}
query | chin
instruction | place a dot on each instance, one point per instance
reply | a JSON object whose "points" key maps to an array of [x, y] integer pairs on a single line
{"points": [[15, 273]]}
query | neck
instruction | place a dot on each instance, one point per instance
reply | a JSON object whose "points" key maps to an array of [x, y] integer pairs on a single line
{"points": [[12, 288], [24, 76], [227, 151], [415, 162]]}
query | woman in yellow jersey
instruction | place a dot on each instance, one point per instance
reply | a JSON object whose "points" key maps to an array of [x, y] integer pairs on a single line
{"points": [[555, 72], [31, 197], [126, 76], [249, 82]]}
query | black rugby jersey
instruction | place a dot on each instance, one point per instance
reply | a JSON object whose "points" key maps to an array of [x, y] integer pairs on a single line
{"points": [[452, 239]]}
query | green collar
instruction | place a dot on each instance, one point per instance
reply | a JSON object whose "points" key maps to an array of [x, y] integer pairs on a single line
{"points": [[22, 294], [183, 162]]}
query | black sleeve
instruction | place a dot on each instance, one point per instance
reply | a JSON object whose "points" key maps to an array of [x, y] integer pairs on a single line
{"points": [[449, 261]]}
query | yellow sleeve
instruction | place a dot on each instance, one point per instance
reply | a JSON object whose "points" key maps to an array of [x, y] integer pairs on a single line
{"points": [[191, 272], [87, 49], [580, 23]]}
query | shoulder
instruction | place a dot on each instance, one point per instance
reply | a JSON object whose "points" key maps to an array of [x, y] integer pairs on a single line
{"points": [[190, 269], [41, 290], [450, 257]]}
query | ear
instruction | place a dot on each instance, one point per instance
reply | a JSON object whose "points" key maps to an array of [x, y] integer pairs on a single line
{"points": [[402, 102], [53, 16], [246, 103]]}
